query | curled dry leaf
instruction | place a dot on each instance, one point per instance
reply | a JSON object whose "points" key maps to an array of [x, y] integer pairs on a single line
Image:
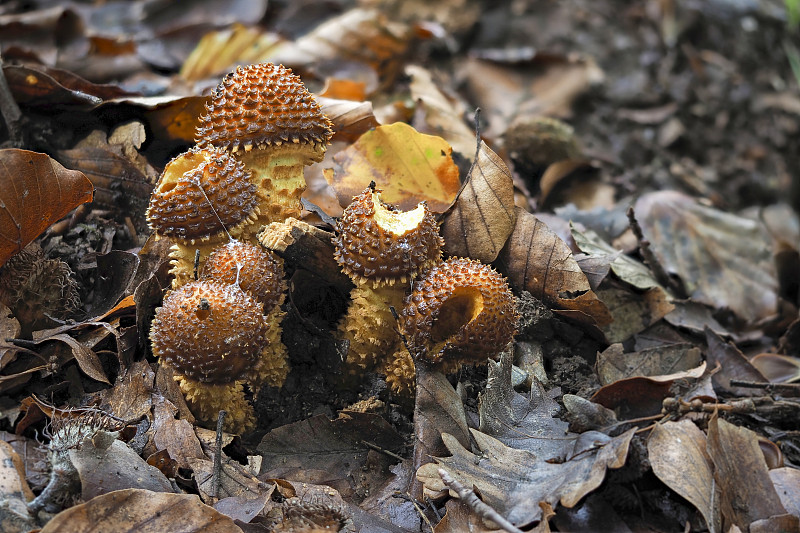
{"points": [[350, 119], [678, 456], [35, 191], [537, 260], [723, 260], [140, 511], [407, 166], [483, 215]]}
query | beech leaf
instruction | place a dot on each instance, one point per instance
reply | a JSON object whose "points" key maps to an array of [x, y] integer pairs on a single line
{"points": [[407, 166], [483, 216], [140, 511], [537, 260], [35, 192], [723, 260]]}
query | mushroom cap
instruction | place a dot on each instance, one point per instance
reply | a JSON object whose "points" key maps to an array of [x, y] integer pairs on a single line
{"points": [[377, 244], [460, 312], [210, 331], [256, 271], [179, 206], [261, 105]]}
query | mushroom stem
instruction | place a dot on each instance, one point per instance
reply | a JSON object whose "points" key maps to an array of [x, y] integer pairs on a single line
{"points": [[206, 400]]}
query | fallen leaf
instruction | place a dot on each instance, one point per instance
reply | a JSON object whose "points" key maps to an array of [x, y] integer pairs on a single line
{"points": [[522, 422], [407, 166], [323, 451], [14, 493], [116, 467], [537, 260], [443, 114], [740, 472], [483, 216], [35, 192], [614, 364], [177, 436], [723, 260], [678, 456], [787, 485], [777, 368], [350, 119], [733, 365], [515, 482], [633, 312], [141, 511]]}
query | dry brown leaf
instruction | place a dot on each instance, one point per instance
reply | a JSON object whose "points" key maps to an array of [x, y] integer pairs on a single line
{"points": [[407, 166], [361, 35], [350, 119], [104, 469], [613, 364], [787, 485], [35, 191], [633, 312], [537, 260], [14, 493], [777, 368], [484, 214], [443, 114], [331, 452], [515, 482], [511, 93], [177, 436], [746, 490], [678, 456], [220, 51], [723, 260], [733, 365], [141, 511]]}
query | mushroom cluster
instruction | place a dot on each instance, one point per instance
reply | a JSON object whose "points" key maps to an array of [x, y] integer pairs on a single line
{"points": [[456, 312], [381, 250], [222, 332]]}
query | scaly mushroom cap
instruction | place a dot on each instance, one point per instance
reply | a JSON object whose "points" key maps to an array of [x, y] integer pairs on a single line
{"points": [[460, 312], [179, 206], [262, 105], [210, 331], [377, 244], [256, 271]]}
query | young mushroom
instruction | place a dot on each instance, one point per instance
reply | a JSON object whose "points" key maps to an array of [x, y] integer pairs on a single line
{"points": [[381, 249], [259, 273], [204, 197], [211, 333], [265, 115], [460, 312]]}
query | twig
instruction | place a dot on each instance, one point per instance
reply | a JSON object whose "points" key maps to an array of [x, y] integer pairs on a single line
{"points": [[216, 477], [650, 259], [469, 497], [766, 386], [381, 450], [10, 110]]}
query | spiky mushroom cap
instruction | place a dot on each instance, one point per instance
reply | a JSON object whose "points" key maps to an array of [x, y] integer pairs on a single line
{"points": [[460, 312], [200, 194], [210, 331], [257, 271], [380, 245], [258, 106]]}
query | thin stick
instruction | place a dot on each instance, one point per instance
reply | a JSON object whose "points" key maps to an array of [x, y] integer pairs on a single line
{"points": [[216, 477], [469, 497], [381, 450], [762, 385]]}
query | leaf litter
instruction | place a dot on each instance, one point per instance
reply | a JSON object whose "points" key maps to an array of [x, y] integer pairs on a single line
{"points": [[650, 345]]}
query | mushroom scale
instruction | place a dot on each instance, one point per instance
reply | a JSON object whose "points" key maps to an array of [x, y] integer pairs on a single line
{"points": [[460, 312]]}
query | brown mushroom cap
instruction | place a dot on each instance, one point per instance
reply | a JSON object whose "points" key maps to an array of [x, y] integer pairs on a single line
{"points": [[179, 206], [377, 244], [261, 105], [256, 270], [460, 312], [210, 331]]}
